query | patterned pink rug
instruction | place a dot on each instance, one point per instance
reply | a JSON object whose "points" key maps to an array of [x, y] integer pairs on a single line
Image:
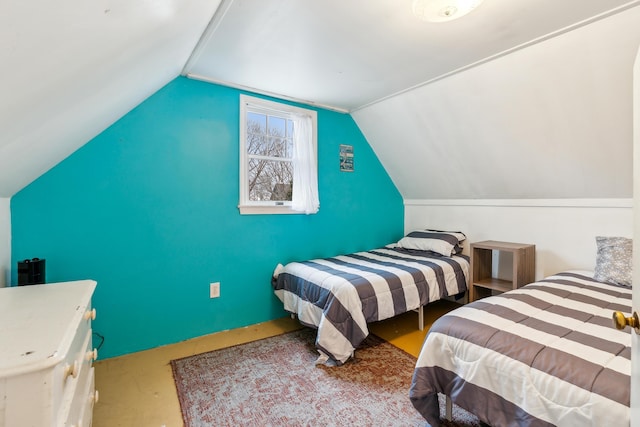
{"points": [[274, 382]]}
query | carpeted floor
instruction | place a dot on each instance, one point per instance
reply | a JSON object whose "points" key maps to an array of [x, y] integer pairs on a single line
{"points": [[274, 382]]}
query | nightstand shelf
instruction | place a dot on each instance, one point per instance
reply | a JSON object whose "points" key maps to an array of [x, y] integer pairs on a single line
{"points": [[483, 283]]}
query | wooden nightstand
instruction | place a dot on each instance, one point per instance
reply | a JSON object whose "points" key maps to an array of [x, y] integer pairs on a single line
{"points": [[482, 281]]}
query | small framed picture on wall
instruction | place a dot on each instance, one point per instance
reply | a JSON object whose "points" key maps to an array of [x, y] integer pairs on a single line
{"points": [[346, 158]]}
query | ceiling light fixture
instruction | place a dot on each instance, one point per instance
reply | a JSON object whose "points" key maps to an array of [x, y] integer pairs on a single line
{"points": [[443, 10]]}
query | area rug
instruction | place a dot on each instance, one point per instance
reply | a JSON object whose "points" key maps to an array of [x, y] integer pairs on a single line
{"points": [[274, 382]]}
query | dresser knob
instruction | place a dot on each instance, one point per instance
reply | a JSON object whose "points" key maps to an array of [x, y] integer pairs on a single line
{"points": [[71, 370], [92, 355], [95, 396], [90, 314]]}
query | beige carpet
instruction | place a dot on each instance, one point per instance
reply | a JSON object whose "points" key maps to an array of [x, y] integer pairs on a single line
{"points": [[274, 382]]}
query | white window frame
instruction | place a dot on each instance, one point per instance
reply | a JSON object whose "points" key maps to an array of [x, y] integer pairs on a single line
{"points": [[253, 104]]}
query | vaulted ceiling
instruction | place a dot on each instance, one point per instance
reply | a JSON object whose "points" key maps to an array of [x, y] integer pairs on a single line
{"points": [[347, 54], [72, 67]]}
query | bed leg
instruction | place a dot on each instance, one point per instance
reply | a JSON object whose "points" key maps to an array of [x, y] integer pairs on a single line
{"points": [[421, 317], [448, 409]]}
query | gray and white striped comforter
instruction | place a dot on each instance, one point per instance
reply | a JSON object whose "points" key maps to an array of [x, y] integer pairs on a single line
{"points": [[545, 354], [340, 295]]}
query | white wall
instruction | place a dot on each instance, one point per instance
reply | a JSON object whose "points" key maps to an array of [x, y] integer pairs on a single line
{"points": [[5, 241], [563, 231], [552, 120]]}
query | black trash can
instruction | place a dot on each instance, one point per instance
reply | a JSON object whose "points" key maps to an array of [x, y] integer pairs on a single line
{"points": [[31, 272]]}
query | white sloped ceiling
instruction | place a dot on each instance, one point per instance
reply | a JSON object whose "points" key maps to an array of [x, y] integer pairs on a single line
{"points": [[553, 120], [538, 122], [70, 68]]}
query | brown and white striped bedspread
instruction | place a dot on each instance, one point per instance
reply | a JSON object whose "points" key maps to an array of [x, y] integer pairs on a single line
{"points": [[545, 354]]}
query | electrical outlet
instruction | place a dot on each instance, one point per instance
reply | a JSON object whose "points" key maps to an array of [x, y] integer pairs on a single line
{"points": [[214, 290]]}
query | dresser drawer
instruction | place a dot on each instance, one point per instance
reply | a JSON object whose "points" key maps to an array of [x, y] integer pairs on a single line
{"points": [[81, 411], [75, 383], [91, 398], [69, 370]]}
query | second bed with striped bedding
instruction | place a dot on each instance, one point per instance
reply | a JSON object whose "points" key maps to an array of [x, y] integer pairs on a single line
{"points": [[340, 295], [545, 354]]}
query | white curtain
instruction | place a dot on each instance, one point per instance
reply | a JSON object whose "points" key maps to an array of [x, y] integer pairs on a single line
{"points": [[305, 169]]}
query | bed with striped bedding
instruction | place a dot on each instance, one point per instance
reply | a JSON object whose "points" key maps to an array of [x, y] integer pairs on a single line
{"points": [[545, 354], [340, 295]]}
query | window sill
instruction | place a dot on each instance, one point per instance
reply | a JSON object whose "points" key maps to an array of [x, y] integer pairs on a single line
{"points": [[267, 210]]}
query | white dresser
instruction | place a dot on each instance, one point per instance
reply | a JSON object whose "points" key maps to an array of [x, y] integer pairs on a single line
{"points": [[46, 355]]}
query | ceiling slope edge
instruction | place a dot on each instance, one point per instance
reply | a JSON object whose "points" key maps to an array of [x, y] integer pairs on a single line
{"points": [[213, 25], [604, 15]]}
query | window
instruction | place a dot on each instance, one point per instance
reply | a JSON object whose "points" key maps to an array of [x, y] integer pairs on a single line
{"points": [[278, 167]]}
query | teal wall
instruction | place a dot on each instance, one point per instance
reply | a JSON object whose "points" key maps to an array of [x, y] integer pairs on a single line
{"points": [[148, 209]]}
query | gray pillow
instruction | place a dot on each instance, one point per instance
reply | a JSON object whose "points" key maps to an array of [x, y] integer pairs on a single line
{"points": [[446, 243], [614, 260]]}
